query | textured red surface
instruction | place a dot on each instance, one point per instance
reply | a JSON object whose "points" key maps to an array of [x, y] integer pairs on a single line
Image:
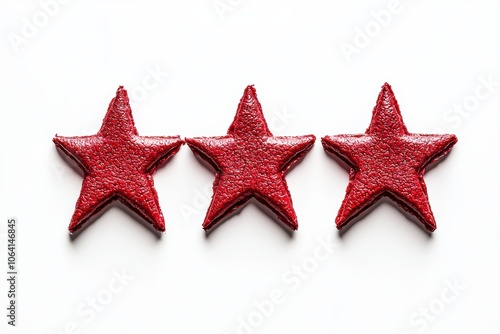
{"points": [[387, 161], [118, 164], [250, 162]]}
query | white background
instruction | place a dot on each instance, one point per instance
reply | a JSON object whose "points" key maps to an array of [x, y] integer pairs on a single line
{"points": [[385, 271]]}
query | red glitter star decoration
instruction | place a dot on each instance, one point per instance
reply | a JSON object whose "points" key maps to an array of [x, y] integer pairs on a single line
{"points": [[250, 162], [387, 161], [118, 164]]}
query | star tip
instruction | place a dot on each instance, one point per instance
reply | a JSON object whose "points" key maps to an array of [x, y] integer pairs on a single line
{"points": [[325, 141], [188, 141], [121, 90], [430, 227], [207, 225], [340, 223], [121, 99], [178, 139], [386, 88], [75, 226], [158, 224], [57, 141], [250, 90], [121, 93], [310, 140]]}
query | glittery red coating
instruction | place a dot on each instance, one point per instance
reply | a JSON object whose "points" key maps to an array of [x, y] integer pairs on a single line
{"points": [[388, 161], [250, 162], [118, 164]]}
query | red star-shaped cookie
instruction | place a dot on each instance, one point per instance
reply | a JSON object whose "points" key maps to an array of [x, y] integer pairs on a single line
{"points": [[118, 164], [387, 161], [250, 162]]}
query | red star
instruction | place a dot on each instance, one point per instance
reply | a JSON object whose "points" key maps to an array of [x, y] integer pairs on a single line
{"points": [[387, 161], [250, 162], [118, 164]]}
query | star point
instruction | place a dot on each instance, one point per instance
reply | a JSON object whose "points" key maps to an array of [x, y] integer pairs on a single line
{"points": [[249, 120], [387, 119]]}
